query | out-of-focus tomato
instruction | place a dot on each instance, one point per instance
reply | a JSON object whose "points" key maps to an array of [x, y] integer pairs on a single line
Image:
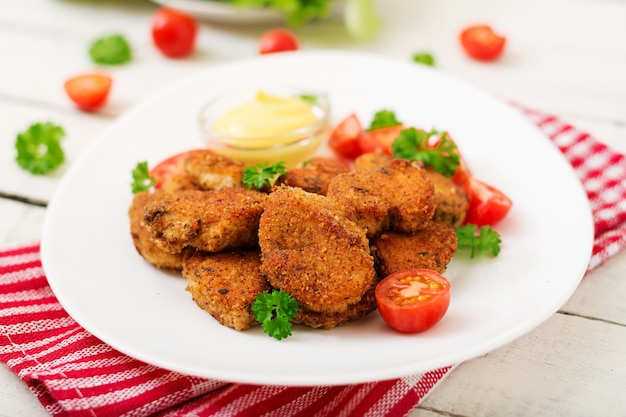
{"points": [[413, 300], [487, 205], [170, 166], [278, 40], [380, 139], [174, 32], [345, 137], [89, 91], [482, 43]]}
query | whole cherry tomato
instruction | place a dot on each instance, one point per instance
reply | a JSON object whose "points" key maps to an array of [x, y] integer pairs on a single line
{"points": [[174, 32], [278, 40], [482, 43], [89, 91], [413, 300]]}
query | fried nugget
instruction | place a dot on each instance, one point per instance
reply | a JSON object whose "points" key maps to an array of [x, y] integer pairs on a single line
{"points": [[371, 160], [141, 237], [225, 285], [398, 196], [315, 176], [431, 247], [212, 171], [451, 201], [211, 221], [312, 252]]}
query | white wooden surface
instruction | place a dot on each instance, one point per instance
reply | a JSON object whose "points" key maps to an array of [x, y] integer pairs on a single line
{"points": [[565, 57]]}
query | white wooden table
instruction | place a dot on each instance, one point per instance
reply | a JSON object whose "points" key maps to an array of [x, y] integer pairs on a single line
{"points": [[565, 57]]}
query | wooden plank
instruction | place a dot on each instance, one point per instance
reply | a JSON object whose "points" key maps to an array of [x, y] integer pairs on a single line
{"points": [[20, 223], [569, 366]]}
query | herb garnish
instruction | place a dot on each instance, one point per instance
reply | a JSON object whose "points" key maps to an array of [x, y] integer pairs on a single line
{"points": [[260, 175], [110, 50], [476, 240], [416, 145], [142, 180], [274, 311]]}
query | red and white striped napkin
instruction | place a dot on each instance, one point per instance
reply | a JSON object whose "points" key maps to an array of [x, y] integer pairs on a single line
{"points": [[74, 374]]}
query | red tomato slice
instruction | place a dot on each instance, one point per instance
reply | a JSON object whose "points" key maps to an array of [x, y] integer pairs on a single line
{"points": [[165, 169], [345, 137], [278, 40], [380, 139], [174, 32], [482, 43], [89, 91], [488, 205], [413, 300]]}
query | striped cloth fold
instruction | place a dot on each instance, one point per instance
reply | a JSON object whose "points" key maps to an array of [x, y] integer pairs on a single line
{"points": [[74, 374]]}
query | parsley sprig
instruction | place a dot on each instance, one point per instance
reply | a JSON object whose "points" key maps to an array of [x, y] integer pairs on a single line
{"points": [[424, 58], [110, 50], [384, 118], [142, 180], [483, 240], [415, 145], [260, 175], [275, 310], [39, 148]]}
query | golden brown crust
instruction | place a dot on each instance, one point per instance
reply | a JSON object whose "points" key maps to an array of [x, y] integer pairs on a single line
{"points": [[212, 171], [451, 202], [314, 177], [431, 247], [398, 196], [211, 221], [141, 237], [312, 252], [225, 285]]}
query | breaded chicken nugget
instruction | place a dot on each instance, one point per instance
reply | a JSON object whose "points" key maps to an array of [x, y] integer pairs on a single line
{"points": [[431, 247], [179, 181], [371, 160], [211, 221], [312, 252], [315, 176], [141, 237], [225, 285], [398, 195], [212, 171], [451, 201], [330, 320]]}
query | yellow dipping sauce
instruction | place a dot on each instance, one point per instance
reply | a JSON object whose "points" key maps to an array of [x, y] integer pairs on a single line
{"points": [[269, 129]]}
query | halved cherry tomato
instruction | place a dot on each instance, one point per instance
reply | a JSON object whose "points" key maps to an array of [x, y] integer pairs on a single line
{"points": [[482, 43], [174, 32], [380, 139], [278, 40], [413, 300], [345, 137], [487, 205], [165, 169], [89, 91]]}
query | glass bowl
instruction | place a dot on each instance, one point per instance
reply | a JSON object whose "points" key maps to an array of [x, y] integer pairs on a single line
{"points": [[289, 146]]}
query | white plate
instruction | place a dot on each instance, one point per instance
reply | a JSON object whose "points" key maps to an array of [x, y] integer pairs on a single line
{"points": [[146, 313], [223, 12]]}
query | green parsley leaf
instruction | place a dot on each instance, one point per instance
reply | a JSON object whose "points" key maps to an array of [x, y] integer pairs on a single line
{"points": [[424, 58], [384, 118], [142, 180], [110, 50], [260, 175], [415, 145], [39, 148], [476, 240], [274, 311]]}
